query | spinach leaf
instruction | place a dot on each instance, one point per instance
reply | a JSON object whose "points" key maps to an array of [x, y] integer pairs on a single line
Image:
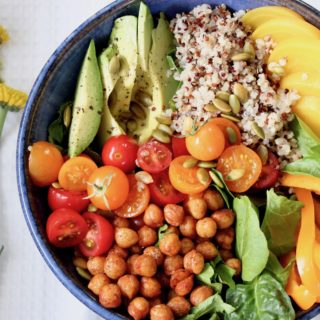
{"points": [[280, 222], [251, 243], [225, 275], [207, 277], [222, 188], [307, 165], [264, 298]]}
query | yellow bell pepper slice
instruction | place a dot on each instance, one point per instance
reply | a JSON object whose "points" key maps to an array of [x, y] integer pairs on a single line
{"points": [[300, 181]]}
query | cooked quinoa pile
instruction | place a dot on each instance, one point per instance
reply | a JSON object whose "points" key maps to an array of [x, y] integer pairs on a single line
{"points": [[207, 39]]}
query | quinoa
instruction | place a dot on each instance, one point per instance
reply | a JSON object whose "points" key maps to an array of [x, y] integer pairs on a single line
{"points": [[206, 39]]}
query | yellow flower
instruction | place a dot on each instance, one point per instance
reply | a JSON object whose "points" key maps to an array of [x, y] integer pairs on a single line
{"points": [[4, 36]]}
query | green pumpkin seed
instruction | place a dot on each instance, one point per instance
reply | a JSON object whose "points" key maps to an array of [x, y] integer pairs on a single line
{"points": [[241, 92], [249, 48], [232, 135], [235, 174], [67, 114], [164, 120], [258, 130], [207, 164], [143, 98], [223, 95], [80, 262], [234, 103], [166, 129], [187, 124], [137, 110], [243, 56], [221, 105], [210, 108], [84, 274], [56, 185], [229, 117], [190, 163], [203, 176], [216, 180], [92, 208], [114, 65], [263, 153], [131, 125], [161, 136]]}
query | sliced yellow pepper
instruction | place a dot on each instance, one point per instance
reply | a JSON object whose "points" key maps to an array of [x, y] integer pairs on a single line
{"points": [[301, 181]]}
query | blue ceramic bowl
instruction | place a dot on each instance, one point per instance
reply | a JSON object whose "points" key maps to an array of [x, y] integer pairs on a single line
{"points": [[56, 84]]}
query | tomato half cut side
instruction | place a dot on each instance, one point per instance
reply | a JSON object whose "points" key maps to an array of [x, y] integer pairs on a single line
{"points": [[240, 167], [100, 236], [66, 228], [179, 147], [137, 200], [162, 191]]}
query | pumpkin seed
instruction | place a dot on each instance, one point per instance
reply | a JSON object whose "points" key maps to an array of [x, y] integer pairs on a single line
{"points": [[190, 163], [235, 174], [114, 65], [223, 95], [161, 136], [258, 130], [243, 56], [210, 108], [84, 274], [144, 177], [249, 48], [137, 110], [232, 135], [221, 105], [80, 262], [229, 117], [143, 98], [56, 185], [234, 103], [131, 125], [241, 92], [203, 176], [207, 164], [67, 113], [263, 153], [187, 125], [92, 208], [216, 179], [166, 129], [164, 120]]}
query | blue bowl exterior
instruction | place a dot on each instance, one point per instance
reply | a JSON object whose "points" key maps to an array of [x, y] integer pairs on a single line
{"points": [[55, 84]]}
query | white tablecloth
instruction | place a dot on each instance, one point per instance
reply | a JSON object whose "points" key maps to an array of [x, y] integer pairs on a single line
{"points": [[28, 289]]}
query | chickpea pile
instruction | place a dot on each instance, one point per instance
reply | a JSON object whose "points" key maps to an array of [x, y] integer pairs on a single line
{"points": [[159, 281]]}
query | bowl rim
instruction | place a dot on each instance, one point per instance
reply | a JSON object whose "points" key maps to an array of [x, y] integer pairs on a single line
{"points": [[35, 92]]}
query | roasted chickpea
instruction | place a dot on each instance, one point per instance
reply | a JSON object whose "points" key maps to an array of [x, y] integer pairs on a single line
{"points": [[155, 302], [119, 222], [206, 228], [180, 306], [234, 264], [114, 266], [153, 216], [145, 266], [196, 207], [172, 229], [136, 249], [130, 263], [171, 264], [170, 244], [138, 308], [147, 236], [110, 296], [136, 223], [186, 246], [208, 250], [224, 218], [225, 254], [225, 238], [188, 227], [126, 237], [193, 261], [119, 251], [150, 287], [200, 294], [129, 286], [97, 282], [155, 253], [213, 199], [173, 214], [161, 312], [181, 282], [95, 265]]}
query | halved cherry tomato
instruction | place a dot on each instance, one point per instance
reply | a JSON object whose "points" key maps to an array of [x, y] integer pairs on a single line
{"points": [[45, 161], [179, 147], [162, 191], [60, 198], [154, 157], [137, 200], [183, 179], [121, 152], [224, 124], [244, 160], [207, 143], [108, 188], [100, 236], [75, 172], [66, 228]]}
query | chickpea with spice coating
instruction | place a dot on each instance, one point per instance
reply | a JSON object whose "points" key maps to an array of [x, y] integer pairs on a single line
{"points": [[129, 286], [150, 287], [119, 222], [206, 228], [170, 244], [110, 296], [97, 282], [181, 282], [155, 253], [200, 294], [147, 237], [235, 264], [186, 246], [161, 312], [213, 199], [225, 238], [224, 218], [153, 216], [155, 302], [196, 207], [173, 214], [193, 261], [130, 263], [144, 266], [119, 251], [171, 264], [126, 237], [172, 229], [95, 265], [188, 227], [114, 266], [180, 306], [138, 308], [208, 250]]}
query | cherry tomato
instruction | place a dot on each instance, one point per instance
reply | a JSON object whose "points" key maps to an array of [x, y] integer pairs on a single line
{"points": [[66, 228], [224, 124], [60, 198], [207, 143], [75, 172], [137, 200], [121, 152], [108, 188], [154, 157], [162, 191], [100, 236], [185, 179], [179, 147], [45, 161], [240, 167]]}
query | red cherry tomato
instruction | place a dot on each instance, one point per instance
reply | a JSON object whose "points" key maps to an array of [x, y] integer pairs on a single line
{"points": [[120, 151], [179, 147], [162, 192], [60, 198], [100, 236], [154, 156], [66, 228]]}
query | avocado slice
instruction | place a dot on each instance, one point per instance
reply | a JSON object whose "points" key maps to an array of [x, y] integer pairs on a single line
{"points": [[87, 106]]}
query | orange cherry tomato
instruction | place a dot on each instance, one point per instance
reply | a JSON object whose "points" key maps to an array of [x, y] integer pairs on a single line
{"points": [[207, 143], [240, 167], [75, 172], [185, 179], [45, 161], [108, 188], [137, 200], [224, 124]]}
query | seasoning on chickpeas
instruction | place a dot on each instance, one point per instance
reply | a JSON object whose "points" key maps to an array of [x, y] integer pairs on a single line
{"points": [[181, 282], [213, 199], [170, 244], [150, 287], [114, 266], [188, 227], [196, 207], [161, 312], [155, 253], [206, 227], [130, 263], [180, 306], [119, 222], [225, 238], [144, 266], [119, 251], [208, 250], [97, 282], [235, 264], [186, 246], [200, 294], [153, 216], [129, 286], [193, 261], [147, 236], [110, 296], [173, 214], [138, 308], [126, 237], [224, 218], [95, 265], [172, 263]]}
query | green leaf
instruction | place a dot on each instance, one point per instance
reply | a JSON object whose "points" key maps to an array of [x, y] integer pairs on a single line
{"points": [[281, 214], [161, 233], [264, 298], [306, 166], [207, 277], [225, 275], [251, 244]]}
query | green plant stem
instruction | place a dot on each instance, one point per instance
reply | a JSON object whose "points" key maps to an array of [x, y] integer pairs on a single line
{"points": [[3, 114]]}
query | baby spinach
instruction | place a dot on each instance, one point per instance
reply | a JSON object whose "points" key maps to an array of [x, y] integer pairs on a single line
{"points": [[262, 299], [207, 276], [251, 243], [307, 165]]}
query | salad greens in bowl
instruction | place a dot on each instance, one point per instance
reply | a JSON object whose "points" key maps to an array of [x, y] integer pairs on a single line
{"points": [[168, 161]]}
